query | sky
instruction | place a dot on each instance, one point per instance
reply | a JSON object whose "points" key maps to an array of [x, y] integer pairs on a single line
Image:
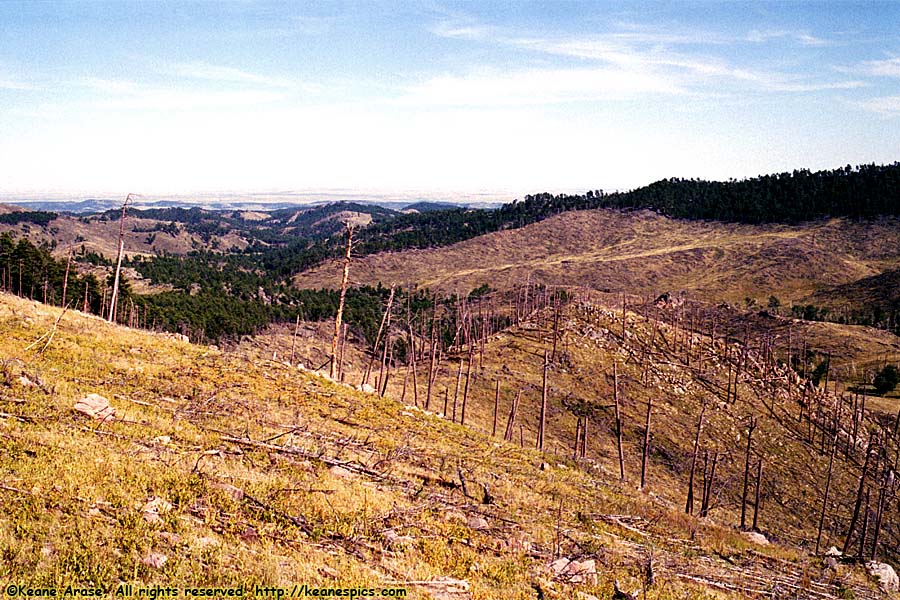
{"points": [[438, 99]]}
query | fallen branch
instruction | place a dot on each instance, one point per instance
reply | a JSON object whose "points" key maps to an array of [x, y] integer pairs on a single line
{"points": [[350, 466]]}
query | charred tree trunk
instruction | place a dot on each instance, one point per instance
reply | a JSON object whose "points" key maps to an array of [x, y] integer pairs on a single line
{"points": [[859, 497], [646, 451], [756, 499], [618, 417], [750, 427], [689, 504], [496, 408], [543, 418]]}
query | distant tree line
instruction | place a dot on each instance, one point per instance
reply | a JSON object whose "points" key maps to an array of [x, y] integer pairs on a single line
{"points": [[37, 217], [866, 191]]}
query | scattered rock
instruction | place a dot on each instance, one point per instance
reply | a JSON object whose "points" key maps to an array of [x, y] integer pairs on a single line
{"points": [[454, 515], [584, 596], [235, 493], [756, 538], [574, 571], [447, 588], [205, 542], [477, 523], [25, 382], [155, 507], [620, 594], [834, 552], [885, 574], [327, 571], [162, 439], [395, 541], [831, 562], [172, 538], [544, 466], [155, 560], [96, 406], [366, 388], [517, 542]]}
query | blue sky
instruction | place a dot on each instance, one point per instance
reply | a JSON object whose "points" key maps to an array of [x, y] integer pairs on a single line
{"points": [[438, 98]]}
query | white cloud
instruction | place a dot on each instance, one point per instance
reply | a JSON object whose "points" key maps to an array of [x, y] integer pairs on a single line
{"points": [[889, 67], [686, 71], [219, 73], [888, 106], [460, 30], [536, 86], [801, 37]]}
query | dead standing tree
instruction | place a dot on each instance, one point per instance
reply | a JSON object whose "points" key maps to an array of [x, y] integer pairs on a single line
{"points": [[340, 311], [115, 291]]}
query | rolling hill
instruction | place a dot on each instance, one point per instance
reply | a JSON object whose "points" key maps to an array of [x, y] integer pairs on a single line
{"points": [[643, 253], [225, 469]]}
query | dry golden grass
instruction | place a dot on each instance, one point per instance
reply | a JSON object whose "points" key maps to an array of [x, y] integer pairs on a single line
{"points": [[195, 425], [643, 253]]}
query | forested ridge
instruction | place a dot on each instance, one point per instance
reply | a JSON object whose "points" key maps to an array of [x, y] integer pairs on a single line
{"points": [[231, 294]]}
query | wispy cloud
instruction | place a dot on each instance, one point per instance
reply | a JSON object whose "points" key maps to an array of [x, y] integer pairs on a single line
{"points": [[536, 86], [888, 106], [226, 74], [456, 30], [690, 70], [889, 67], [801, 37], [125, 94]]}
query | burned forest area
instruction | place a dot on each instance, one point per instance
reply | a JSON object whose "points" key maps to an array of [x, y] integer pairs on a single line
{"points": [[675, 392]]}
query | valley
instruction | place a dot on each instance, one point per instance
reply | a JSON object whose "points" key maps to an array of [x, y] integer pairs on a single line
{"points": [[570, 405]]}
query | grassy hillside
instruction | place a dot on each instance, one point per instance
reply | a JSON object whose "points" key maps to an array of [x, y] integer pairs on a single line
{"points": [[643, 253], [244, 471]]}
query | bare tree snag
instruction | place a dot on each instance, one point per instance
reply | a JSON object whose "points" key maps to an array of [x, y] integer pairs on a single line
{"points": [[879, 515], [446, 396], [584, 436], [540, 440], [340, 312], [689, 504], [750, 427], [859, 496], [458, 383], [708, 481], [646, 450], [756, 500], [294, 339], [412, 359], [496, 408], [385, 319], [462, 419], [618, 417], [863, 535], [66, 277], [827, 490], [341, 356], [511, 422], [115, 291]]}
